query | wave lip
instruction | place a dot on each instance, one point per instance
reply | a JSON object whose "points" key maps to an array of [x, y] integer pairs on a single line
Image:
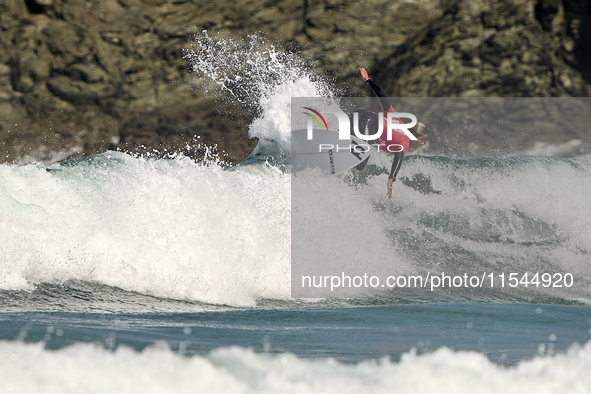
{"points": [[165, 228], [485, 216], [174, 229]]}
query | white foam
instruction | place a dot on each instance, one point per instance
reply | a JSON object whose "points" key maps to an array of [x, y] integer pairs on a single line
{"points": [[256, 74], [175, 229], [570, 148], [29, 368], [172, 229]]}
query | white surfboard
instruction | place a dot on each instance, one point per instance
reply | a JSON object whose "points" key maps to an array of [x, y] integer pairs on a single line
{"points": [[326, 151]]}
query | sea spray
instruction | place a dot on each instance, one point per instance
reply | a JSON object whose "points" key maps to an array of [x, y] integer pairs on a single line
{"points": [[166, 228], [255, 74], [179, 230], [176, 229]]}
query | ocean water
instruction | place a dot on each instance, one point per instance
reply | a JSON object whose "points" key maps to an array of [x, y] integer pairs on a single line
{"points": [[121, 273]]}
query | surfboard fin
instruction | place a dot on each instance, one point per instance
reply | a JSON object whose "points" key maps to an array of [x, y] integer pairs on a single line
{"points": [[361, 165]]}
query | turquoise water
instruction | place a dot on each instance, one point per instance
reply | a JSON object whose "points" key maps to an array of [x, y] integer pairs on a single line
{"points": [[505, 333], [456, 348]]}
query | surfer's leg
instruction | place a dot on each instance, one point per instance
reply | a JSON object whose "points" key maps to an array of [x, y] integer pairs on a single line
{"points": [[368, 122]]}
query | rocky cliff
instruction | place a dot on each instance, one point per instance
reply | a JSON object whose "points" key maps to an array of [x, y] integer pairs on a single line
{"points": [[78, 77]]}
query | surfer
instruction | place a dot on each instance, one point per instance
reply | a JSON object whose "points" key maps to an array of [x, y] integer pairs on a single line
{"points": [[399, 140]]}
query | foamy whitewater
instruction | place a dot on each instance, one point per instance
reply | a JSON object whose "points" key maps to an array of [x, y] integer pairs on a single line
{"points": [[134, 274], [166, 228], [90, 369]]}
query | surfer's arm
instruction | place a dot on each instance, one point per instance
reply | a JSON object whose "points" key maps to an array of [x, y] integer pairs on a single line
{"points": [[377, 89]]}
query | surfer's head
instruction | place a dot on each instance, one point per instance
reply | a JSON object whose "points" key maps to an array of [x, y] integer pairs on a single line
{"points": [[420, 131]]}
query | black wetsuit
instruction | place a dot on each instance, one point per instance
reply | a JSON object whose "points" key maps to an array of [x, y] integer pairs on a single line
{"points": [[369, 120]]}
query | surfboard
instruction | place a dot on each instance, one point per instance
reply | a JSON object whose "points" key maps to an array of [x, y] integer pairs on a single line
{"points": [[327, 152]]}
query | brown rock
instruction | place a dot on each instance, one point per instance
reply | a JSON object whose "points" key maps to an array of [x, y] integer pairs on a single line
{"points": [[90, 71]]}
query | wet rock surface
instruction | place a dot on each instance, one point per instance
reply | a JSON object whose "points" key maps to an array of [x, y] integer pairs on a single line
{"points": [[80, 77]]}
